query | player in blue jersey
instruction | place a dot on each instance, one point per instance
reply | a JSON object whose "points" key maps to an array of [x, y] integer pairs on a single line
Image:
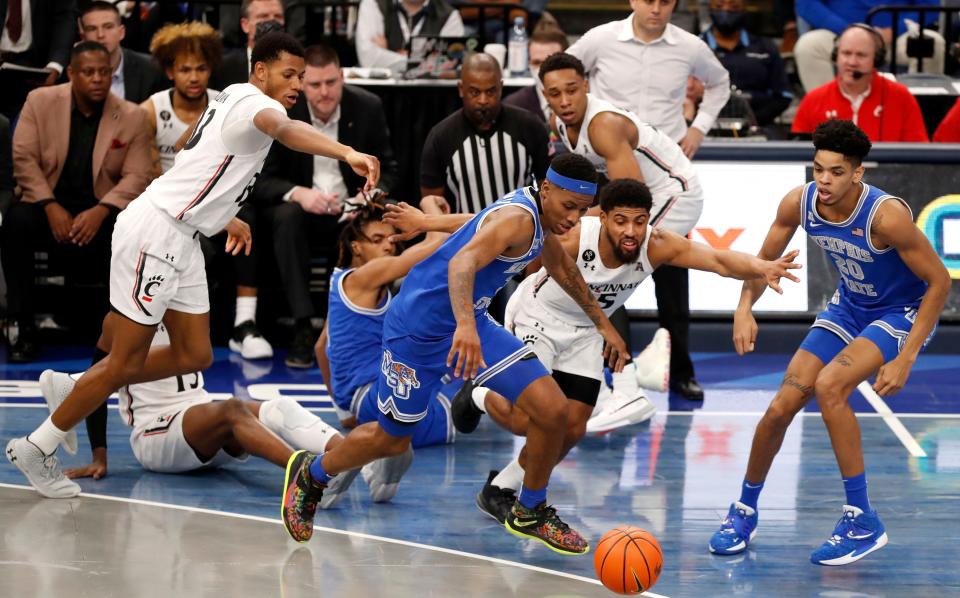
{"points": [[439, 325], [891, 291], [350, 347]]}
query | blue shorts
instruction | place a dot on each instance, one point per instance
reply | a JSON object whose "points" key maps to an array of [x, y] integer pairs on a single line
{"points": [[412, 371], [837, 326], [436, 428]]}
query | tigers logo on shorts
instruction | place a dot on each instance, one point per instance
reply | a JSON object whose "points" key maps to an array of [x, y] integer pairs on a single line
{"points": [[401, 378]]}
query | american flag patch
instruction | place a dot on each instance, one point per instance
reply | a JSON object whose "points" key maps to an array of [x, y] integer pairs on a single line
{"points": [[858, 232]]}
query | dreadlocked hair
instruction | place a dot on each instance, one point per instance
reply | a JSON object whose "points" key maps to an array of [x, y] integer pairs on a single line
{"points": [[371, 212], [193, 38]]}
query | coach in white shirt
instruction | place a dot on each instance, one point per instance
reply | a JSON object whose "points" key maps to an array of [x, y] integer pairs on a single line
{"points": [[642, 63]]}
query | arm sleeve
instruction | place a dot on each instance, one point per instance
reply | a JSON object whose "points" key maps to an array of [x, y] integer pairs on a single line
{"points": [[816, 13], [370, 25], [716, 83], [431, 164], [97, 427]]}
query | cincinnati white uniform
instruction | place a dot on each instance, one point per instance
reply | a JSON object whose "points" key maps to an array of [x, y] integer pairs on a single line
{"points": [[169, 126], [670, 176], [155, 410], [156, 262], [542, 315]]}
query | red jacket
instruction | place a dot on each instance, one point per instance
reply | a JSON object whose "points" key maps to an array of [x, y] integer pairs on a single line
{"points": [[949, 129], [888, 113]]}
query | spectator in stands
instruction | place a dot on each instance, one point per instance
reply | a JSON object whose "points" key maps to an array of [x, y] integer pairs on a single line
{"points": [[80, 155], [543, 43], [949, 129], [135, 76], [37, 33], [484, 150], [827, 19], [753, 61], [641, 64], [884, 109], [300, 196], [236, 64], [385, 26]]}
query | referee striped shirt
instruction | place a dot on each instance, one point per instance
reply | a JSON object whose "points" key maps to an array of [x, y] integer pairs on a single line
{"points": [[478, 167]]}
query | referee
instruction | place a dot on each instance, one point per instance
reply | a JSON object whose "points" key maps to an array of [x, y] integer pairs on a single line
{"points": [[484, 150]]}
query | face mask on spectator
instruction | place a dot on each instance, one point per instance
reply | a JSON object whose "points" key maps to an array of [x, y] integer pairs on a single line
{"points": [[727, 21]]}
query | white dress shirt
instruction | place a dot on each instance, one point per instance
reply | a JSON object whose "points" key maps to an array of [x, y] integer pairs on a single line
{"points": [[116, 80], [370, 25], [650, 78], [326, 171]]}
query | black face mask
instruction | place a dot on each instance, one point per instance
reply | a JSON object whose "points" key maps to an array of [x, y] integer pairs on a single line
{"points": [[728, 21]]}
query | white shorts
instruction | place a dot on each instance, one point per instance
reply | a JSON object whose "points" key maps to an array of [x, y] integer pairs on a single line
{"points": [[159, 444], [678, 213], [559, 346], [155, 265]]}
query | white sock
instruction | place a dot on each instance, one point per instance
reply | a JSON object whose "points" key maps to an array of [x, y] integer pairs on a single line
{"points": [[625, 382], [47, 437], [479, 398], [510, 476], [246, 310], [298, 427]]}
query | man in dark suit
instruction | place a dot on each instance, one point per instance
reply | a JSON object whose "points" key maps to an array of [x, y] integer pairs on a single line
{"points": [[299, 194], [38, 34], [135, 76], [235, 67], [543, 43]]}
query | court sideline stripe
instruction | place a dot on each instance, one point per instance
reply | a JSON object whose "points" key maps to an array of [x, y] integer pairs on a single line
{"points": [[341, 532], [891, 420]]}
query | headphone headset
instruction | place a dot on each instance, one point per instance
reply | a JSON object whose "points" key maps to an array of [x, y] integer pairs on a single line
{"points": [[879, 57]]}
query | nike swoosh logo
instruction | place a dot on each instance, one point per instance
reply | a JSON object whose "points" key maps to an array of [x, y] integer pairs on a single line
{"points": [[751, 486], [518, 523], [853, 536], [814, 224], [625, 405]]}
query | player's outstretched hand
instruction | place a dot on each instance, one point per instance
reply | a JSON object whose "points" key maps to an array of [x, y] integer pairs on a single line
{"points": [[96, 469], [775, 270], [615, 353], [891, 377], [408, 220], [744, 332], [466, 349], [238, 237], [365, 165]]}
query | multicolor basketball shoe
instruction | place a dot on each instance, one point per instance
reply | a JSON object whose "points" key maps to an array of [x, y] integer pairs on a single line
{"points": [[543, 523], [300, 497], [857, 534]]}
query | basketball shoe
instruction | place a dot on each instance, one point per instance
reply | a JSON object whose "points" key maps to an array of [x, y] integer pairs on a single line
{"points": [[495, 501], [543, 523], [466, 416], [337, 485], [618, 410], [42, 470], [383, 475], [55, 387], [736, 531], [652, 366], [300, 497], [857, 534]]}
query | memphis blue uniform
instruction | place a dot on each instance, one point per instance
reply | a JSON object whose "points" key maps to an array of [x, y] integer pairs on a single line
{"points": [[877, 296], [354, 347], [420, 324]]}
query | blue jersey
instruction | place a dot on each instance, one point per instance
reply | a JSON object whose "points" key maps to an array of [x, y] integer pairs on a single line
{"points": [[422, 308], [870, 278], [355, 335]]}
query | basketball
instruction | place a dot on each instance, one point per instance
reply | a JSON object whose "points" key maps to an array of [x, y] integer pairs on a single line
{"points": [[628, 560]]}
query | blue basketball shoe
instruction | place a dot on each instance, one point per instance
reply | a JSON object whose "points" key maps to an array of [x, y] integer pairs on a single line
{"points": [[857, 534], [737, 530]]}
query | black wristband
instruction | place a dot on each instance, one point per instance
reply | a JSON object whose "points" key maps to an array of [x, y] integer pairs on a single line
{"points": [[44, 202], [97, 427]]}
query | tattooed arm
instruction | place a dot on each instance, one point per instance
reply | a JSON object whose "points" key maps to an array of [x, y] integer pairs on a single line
{"points": [[505, 231], [563, 269]]}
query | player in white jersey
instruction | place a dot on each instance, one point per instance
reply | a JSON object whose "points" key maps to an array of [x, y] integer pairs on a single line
{"points": [[156, 268], [615, 253], [622, 146]]}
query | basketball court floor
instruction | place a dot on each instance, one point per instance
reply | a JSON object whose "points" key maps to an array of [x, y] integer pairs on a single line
{"points": [[217, 533]]}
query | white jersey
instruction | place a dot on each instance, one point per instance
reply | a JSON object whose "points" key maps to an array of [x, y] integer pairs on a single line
{"points": [[611, 287], [169, 126], [215, 171], [141, 404], [665, 169]]}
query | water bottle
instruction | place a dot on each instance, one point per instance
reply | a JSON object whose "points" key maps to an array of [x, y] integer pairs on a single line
{"points": [[517, 48]]}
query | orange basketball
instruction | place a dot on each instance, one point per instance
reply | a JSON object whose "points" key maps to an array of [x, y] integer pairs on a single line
{"points": [[628, 560]]}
